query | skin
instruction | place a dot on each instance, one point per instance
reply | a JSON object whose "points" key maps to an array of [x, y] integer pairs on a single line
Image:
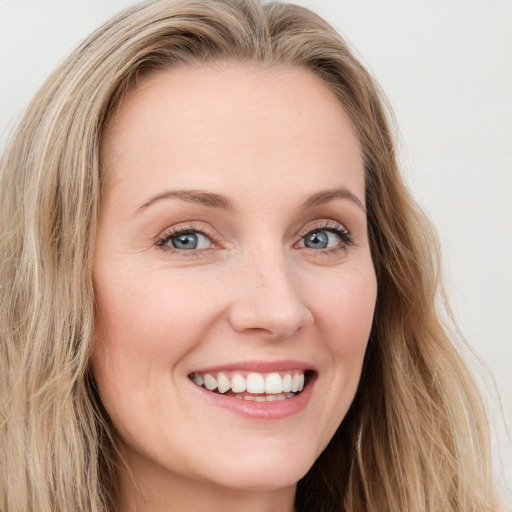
{"points": [[252, 292]]}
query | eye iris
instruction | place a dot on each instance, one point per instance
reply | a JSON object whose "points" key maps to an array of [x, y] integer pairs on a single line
{"points": [[185, 241], [317, 240]]}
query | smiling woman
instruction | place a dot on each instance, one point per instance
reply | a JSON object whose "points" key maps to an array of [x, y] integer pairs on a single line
{"points": [[217, 293], [254, 225]]}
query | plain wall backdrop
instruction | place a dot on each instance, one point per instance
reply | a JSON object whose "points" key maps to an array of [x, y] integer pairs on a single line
{"points": [[446, 67]]}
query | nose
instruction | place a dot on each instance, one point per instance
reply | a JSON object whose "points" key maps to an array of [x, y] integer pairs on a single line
{"points": [[268, 300]]}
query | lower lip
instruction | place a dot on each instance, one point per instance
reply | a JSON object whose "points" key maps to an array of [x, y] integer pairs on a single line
{"points": [[276, 410]]}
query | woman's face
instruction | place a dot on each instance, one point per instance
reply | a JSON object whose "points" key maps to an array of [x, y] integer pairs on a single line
{"points": [[232, 251]]}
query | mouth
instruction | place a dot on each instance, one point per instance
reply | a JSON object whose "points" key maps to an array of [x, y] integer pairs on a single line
{"points": [[254, 386]]}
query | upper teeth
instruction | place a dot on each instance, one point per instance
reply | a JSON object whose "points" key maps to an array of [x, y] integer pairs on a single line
{"points": [[271, 383]]}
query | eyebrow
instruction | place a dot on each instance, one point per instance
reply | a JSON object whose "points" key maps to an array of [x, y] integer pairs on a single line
{"points": [[213, 200], [325, 196], [209, 199]]}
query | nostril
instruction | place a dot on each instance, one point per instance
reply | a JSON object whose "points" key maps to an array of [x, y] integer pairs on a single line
{"points": [[258, 331]]}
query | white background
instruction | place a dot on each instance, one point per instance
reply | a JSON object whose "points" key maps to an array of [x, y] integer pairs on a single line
{"points": [[447, 68]]}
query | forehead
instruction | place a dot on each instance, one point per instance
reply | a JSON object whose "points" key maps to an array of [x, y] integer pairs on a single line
{"points": [[200, 122]]}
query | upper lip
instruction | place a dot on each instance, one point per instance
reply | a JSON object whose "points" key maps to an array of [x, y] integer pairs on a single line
{"points": [[258, 366]]}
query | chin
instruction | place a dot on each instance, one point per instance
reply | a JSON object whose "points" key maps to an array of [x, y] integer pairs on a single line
{"points": [[264, 470]]}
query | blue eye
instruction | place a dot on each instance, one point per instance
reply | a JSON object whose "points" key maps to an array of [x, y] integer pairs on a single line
{"points": [[186, 241], [322, 239]]}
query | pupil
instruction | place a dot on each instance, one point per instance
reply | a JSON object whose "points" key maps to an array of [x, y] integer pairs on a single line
{"points": [[317, 240], [185, 241]]}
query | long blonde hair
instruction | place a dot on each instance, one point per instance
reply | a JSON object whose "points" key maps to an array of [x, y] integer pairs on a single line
{"points": [[415, 438]]}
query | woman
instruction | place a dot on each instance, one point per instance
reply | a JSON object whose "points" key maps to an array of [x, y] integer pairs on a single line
{"points": [[216, 292]]}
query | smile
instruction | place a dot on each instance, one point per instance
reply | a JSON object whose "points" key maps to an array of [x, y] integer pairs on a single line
{"points": [[253, 386]]}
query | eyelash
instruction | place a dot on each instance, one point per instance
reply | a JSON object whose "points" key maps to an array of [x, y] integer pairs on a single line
{"points": [[173, 232], [331, 226]]}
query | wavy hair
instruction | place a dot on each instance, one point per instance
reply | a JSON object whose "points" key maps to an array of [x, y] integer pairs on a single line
{"points": [[415, 438]]}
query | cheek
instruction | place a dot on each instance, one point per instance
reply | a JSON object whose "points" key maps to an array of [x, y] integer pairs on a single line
{"points": [[346, 323], [344, 315], [346, 312], [147, 315], [143, 330], [146, 325]]}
